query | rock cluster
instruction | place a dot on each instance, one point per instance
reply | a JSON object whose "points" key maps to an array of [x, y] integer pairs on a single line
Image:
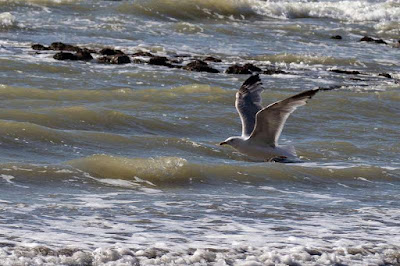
{"points": [[110, 55]]}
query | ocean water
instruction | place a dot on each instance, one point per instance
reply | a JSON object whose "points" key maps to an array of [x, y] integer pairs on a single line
{"points": [[106, 164]]}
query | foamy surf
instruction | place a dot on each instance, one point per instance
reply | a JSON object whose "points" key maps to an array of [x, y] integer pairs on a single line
{"points": [[351, 11], [7, 20], [193, 10]]}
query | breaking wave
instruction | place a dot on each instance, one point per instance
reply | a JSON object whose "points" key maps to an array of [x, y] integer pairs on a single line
{"points": [[175, 170], [355, 11], [7, 20], [191, 10]]}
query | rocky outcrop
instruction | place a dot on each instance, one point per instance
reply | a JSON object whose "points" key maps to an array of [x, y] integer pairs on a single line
{"points": [[84, 55], [212, 59], [65, 56], [160, 61], [370, 39], [117, 59], [200, 66], [386, 75], [272, 71], [243, 69], [59, 46], [143, 54], [39, 47], [347, 72], [110, 51]]}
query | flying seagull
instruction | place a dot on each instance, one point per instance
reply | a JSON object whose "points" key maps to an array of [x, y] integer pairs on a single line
{"points": [[261, 127]]}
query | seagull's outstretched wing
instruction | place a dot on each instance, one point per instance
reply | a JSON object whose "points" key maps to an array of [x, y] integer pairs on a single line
{"points": [[271, 119], [248, 103]]}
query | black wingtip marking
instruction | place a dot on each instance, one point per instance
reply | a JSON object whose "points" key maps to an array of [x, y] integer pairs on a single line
{"points": [[253, 79], [309, 94]]}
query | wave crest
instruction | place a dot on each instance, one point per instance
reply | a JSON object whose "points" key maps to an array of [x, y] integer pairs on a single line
{"points": [[355, 11], [191, 10], [7, 20]]}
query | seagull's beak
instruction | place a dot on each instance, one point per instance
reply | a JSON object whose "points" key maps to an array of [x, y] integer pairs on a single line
{"points": [[223, 143]]}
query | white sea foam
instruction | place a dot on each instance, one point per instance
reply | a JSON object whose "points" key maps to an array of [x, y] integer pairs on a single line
{"points": [[8, 178], [7, 19], [241, 255], [355, 11]]}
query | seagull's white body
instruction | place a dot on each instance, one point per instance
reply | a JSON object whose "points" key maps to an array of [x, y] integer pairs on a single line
{"points": [[261, 127], [262, 152]]}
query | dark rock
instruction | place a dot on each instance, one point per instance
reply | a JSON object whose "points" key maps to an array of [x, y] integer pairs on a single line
{"points": [[65, 56], [39, 47], [160, 61], [347, 72], [84, 55], [380, 41], [110, 51], [182, 55], [115, 59], [92, 51], [367, 39], [120, 59], [176, 61], [252, 68], [386, 75], [212, 59], [59, 46], [370, 39], [245, 69], [144, 54], [272, 71], [337, 37], [200, 66], [237, 69]]}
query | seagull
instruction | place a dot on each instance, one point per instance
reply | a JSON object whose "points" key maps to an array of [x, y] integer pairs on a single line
{"points": [[261, 127]]}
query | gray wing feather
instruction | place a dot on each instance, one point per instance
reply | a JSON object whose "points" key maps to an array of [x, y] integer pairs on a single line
{"points": [[271, 120], [248, 103]]}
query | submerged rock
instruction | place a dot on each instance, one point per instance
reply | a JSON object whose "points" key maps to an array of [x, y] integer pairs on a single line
{"points": [[200, 66], [272, 71], [380, 41], [366, 39], [118, 59], [347, 72], [242, 69], [160, 61], [212, 59], [370, 39], [59, 46], [142, 53], [39, 47], [110, 51], [337, 37], [386, 75], [65, 56], [84, 55]]}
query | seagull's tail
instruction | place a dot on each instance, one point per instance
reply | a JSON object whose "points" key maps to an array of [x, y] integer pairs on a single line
{"points": [[291, 151]]}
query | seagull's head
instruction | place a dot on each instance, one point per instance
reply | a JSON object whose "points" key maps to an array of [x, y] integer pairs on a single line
{"points": [[232, 141]]}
